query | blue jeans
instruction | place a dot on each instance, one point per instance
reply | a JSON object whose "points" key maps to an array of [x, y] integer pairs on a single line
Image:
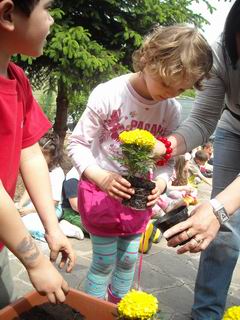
{"points": [[218, 261]]}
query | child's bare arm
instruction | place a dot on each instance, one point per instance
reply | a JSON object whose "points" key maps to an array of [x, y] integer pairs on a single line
{"points": [[35, 175], [203, 178], [44, 277]]}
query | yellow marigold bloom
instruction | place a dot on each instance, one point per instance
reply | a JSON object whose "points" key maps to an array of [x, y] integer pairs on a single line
{"points": [[139, 137], [137, 305], [232, 313]]}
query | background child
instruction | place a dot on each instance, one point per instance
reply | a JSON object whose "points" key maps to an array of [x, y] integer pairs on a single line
{"points": [[195, 164], [207, 169], [50, 146], [70, 200], [179, 192], [208, 149], [171, 60], [179, 187], [24, 26]]}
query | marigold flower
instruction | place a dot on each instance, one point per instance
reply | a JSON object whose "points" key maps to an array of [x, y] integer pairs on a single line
{"points": [[136, 152], [137, 305], [232, 313], [139, 137]]}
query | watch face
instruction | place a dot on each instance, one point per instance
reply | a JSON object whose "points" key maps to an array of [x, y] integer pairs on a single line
{"points": [[222, 215]]}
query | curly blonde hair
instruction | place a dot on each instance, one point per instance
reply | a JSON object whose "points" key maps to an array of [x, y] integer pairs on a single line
{"points": [[175, 53]]}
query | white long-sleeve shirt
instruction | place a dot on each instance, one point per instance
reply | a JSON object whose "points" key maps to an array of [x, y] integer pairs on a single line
{"points": [[223, 87], [113, 107]]}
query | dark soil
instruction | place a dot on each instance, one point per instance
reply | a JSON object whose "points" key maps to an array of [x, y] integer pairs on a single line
{"points": [[48, 311], [143, 189]]}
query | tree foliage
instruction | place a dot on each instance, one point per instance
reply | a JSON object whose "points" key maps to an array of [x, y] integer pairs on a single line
{"points": [[92, 41]]}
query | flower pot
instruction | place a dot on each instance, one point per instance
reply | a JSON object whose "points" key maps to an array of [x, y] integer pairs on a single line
{"points": [[90, 307], [171, 218], [143, 189]]}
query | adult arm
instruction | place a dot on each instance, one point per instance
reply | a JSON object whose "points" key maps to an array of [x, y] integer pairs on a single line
{"points": [[35, 175], [203, 224], [44, 277]]}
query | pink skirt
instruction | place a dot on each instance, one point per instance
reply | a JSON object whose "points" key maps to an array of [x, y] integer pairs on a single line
{"points": [[104, 216]]}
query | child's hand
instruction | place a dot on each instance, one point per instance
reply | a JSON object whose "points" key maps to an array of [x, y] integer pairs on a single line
{"points": [[116, 186], [60, 245], [160, 187], [110, 182], [25, 211], [48, 281]]}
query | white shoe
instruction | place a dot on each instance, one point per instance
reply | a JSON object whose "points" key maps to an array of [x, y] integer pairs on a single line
{"points": [[70, 230]]}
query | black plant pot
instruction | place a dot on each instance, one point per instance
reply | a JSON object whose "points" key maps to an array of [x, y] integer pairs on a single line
{"points": [[171, 218], [143, 189]]}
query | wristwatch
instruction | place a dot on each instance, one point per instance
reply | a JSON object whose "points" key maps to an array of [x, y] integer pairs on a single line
{"points": [[219, 211]]}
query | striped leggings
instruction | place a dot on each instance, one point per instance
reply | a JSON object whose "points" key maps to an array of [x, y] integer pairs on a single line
{"points": [[113, 257]]}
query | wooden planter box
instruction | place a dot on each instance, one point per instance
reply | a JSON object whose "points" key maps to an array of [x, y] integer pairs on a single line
{"points": [[90, 307]]}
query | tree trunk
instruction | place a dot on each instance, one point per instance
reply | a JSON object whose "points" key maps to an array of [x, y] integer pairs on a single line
{"points": [[60, 125]]}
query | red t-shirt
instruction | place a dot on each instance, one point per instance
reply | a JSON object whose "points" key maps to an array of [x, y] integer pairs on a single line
{"points": [[22, 123]]}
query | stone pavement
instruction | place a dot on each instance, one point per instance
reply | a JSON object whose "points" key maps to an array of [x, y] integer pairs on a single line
{"points": [[167, 275]]}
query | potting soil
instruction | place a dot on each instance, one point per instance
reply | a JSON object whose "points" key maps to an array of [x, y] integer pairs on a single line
{"points": [[48, 311]]}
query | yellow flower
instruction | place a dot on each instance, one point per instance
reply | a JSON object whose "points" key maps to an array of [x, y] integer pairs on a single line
{"points": [[137, 305], [232, 313], [139, 137]]}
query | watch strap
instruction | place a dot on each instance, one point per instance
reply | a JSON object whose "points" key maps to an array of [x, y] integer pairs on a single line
{"points": [[219, 211]]}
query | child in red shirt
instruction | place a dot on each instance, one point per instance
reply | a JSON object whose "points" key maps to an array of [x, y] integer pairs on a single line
{"points": [[24, 26]]}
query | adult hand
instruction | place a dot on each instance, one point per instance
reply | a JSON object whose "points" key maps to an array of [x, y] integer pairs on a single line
{"points": [[200, 229], [57, 243], [48, 281]]}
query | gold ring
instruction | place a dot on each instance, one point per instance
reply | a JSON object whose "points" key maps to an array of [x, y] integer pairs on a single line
{"points": [[189, 234], [198, 240]]}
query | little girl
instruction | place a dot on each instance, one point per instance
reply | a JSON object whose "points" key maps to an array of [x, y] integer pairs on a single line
{"points": [[179, 192], [179, 186], [170, 60]]}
